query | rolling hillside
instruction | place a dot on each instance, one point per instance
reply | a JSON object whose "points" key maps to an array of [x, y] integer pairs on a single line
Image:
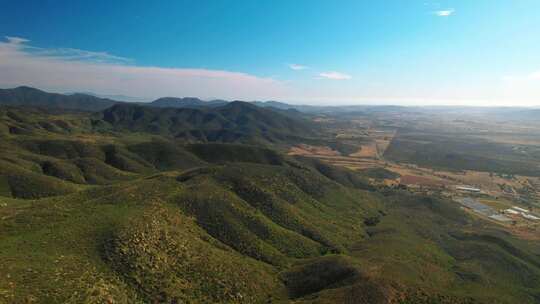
{"points": [[115, 207], [234, 122]]}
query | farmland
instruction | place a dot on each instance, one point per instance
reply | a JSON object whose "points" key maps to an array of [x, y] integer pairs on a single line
{"points": [[435, 155]]}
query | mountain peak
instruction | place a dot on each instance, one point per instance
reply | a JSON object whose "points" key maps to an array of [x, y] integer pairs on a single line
{"points": [[26, 88], [184, 102]]}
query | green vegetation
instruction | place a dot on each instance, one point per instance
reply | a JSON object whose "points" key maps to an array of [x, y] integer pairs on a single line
{"points": [[221, 153], [346, 177], [380, 173], [315, 275], [234, 122], [168, 258], [114, 207]]}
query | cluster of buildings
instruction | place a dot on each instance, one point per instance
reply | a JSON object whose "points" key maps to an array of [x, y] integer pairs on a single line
{"points": [[517, 211], [482, 209], [507, 215]]}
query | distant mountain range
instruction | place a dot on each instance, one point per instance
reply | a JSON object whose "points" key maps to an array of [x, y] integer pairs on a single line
{"points": [[27, 96], [117, 97], [190, 119], [185, 102], [22, 96]]}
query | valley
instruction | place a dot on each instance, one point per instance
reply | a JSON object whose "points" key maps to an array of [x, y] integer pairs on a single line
{"points": [[269, 152], [242, 203]]}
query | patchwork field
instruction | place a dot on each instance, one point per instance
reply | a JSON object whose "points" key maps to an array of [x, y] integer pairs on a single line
{"points": [[428, 158]]}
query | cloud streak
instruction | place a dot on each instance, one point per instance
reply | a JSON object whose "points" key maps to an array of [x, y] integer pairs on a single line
{"points": [[78, 55], [445, 13], [16, 40], [335, 75], [297, 67], [71, 70]]}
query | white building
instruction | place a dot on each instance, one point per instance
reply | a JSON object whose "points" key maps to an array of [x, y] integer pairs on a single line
{"points": [[467, 188], [520, 209], [511, 211]]}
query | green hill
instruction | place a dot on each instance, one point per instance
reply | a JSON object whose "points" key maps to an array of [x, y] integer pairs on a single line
{"points": [[248, 233], [114, 207], [234, 122]]}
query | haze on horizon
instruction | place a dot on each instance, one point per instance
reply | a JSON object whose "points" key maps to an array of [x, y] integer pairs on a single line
{"points": [[476, 53]]}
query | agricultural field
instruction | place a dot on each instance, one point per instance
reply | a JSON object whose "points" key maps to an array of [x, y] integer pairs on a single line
{"points": [[505, 165]]}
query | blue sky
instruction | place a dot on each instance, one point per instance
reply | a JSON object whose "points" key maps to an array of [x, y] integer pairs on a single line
{"points": [[472, 52]]}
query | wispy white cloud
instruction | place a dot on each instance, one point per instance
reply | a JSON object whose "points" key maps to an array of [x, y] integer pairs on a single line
{"points": [[16, 40], [445, 13], [297, 67], [21, 44], [79, 70], [81, 55], [335, 75], [69, 70]]}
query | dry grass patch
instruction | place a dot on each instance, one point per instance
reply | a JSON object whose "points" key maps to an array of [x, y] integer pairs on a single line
{"points": [[367, 151], [307, 150]]}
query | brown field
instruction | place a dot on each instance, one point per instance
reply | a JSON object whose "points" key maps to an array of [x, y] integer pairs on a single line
{"points": [[367, 151], [420, 180], [307, 150], [526, 233], [382, 145]]}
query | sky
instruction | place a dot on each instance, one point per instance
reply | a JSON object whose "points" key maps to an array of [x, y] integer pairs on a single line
{"points": [[463, 52]]}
